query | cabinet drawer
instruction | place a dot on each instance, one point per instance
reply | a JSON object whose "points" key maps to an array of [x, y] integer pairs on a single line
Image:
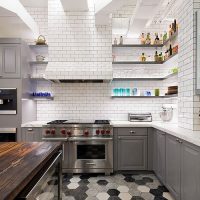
{"points": [[132, 131], [31, 134]]}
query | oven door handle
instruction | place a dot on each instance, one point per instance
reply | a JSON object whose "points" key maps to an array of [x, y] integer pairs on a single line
{"points": [[77, 139], [55, 139]]}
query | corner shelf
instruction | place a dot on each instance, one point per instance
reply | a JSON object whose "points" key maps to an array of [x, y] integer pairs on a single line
{"points": [[139, 45], [146, 78], [38, 62], [147, 97], [143, 63]]}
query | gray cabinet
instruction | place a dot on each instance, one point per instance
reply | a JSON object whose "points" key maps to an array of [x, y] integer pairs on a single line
{"points": [[190, 172], [32, 134], [160, 155], [9, 61], [173, 165], [132, 152]]}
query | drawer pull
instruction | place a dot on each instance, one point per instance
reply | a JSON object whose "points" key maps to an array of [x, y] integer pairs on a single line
{"points": [[30, 129], [132, 132], [177, 140]]}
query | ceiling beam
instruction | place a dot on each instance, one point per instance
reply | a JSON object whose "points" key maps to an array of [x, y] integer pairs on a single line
{"points": [[17, 8], [75, 5]]}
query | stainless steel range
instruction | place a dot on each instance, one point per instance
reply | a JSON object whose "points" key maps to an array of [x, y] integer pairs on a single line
{"points": [[87, 146]]}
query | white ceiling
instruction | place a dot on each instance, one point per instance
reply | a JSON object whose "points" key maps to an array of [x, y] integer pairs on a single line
{"points": [[34, 3]]}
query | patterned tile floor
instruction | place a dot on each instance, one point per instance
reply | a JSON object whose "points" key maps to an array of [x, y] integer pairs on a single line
{"points": [[115, 187]]}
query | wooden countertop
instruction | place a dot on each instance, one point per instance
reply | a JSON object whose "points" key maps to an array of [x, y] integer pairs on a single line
{"points": [[20, 162]]}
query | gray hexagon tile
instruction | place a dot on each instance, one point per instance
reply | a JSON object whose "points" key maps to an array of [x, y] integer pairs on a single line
{"points": [[135, 186]]}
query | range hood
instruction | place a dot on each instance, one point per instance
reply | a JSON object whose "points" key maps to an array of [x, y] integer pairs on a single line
{"points": [[79, 72]]}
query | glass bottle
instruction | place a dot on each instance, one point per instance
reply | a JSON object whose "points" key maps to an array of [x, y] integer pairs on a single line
{"points": [[142, 39], [121, 40], [148, 39], [156, 56]]}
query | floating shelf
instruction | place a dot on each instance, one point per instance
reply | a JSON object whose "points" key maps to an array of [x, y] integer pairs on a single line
{"points": [[147, 97], [146, 79], [139, 45], [146, 45], [42, 98], [143, 63], [38, 62], [38, 46]]}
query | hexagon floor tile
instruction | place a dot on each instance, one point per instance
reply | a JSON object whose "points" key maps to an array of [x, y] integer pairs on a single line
{"points": [[136, 186]]}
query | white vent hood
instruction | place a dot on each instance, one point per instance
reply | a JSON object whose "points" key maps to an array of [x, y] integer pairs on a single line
{"points": [[78, 72], [79, 51]]}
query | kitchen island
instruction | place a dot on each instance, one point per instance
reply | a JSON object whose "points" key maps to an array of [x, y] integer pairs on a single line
{"points": [[20, 163]]}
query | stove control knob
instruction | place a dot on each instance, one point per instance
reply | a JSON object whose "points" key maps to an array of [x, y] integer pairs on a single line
{"points": [[63, 131], [47, 131], [97, 132], [69, 133], [53, 131], [102, 132], [108, 132], [86, 132]]}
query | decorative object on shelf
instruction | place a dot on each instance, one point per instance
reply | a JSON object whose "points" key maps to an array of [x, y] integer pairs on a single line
{"points": [[121, 40], [143, 58], [41, 40], [166, 114], [157, 40], [157, 92], [41, 94], [164, 36], [115, 41], [156, 56], [113, 58], [136, 92], [160, 57], [40, 58], [142, 39], [172, 90], [174, 70], [148, 39], [128, 91], [147, 93]]}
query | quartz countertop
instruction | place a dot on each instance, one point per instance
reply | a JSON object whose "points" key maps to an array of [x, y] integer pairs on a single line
{"points": [[20, 162], [170, 128]]}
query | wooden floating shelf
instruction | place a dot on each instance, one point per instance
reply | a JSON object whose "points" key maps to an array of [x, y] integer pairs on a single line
{"points": [[148, 97], [39, 62], [142, 63], [145, 79], [148, 45]]}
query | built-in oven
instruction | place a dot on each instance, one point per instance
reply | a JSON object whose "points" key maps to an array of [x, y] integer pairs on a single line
{"points": [[90, 155], [8, 134], [47, 184], [8, 101]]}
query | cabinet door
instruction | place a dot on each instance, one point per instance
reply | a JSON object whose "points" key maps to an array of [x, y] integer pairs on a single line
{"points": [[161, 155], [190, 172], [1, 62], [132, 153], [173, 168], [32, 134], [10, 61], [155, 153]]}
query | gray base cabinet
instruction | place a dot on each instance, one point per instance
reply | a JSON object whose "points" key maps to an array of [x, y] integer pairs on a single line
{"points": [[132, 153], [159, 157], [190, 172], [31, 134], [130, 146], [173, 166]]}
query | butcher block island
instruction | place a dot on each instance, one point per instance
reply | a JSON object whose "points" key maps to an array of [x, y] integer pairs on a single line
{"points": [[27, 169]]}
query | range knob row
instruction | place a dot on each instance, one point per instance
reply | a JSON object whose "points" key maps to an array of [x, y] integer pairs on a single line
{"points": [[103, 132], [62, 131]]}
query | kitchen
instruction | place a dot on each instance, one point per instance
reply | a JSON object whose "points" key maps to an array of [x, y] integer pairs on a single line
{"points": [[105, 92]]}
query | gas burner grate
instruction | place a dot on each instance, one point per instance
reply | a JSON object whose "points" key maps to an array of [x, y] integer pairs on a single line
{"points": [[58, 122]]}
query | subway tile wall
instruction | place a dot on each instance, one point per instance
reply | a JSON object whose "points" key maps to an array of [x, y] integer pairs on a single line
{"points": [[91, 101]]}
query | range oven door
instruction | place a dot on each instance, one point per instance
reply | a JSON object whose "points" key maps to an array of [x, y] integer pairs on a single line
{"points": [[86, 154], [8, 134]]}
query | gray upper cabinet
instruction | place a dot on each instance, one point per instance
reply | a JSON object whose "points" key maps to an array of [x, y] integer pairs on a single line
{"points": [[132, 152], [173, 165], [160, 155], [190, 172], [10, 61]]}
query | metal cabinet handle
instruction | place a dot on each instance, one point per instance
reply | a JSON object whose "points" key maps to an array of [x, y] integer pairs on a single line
{"points": [[132, 132], [177, 140], [90, 163], [30, 129]]}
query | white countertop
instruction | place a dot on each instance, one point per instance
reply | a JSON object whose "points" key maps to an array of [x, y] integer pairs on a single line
{"points": [[170, 128]]}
